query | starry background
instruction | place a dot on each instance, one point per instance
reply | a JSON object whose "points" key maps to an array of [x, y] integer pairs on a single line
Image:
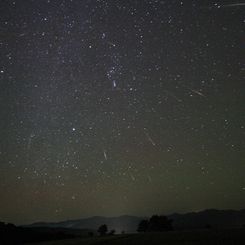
{"points": [[113, 107]]}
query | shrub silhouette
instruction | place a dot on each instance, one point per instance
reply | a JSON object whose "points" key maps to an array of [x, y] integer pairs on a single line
{"points": [[103, 230], [143, 226], [160, 223]]}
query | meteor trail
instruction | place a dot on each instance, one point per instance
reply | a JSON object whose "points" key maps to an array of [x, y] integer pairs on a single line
{"points": [[150, 139], [233, 5], [105, 155], [219, 6], [132, 177], [197, 92]]}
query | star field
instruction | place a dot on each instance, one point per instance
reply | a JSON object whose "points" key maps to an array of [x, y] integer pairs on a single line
{"points": [[120, 107]]}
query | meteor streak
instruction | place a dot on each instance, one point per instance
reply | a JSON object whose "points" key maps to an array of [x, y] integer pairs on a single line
{"points": [[233, 5], [105, 155], [197, 92], [150, 139]]}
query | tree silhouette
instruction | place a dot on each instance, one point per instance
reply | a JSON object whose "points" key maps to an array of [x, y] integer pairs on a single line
{"points": [[103, 230], [156, 223], [160, 223], [143, 226], [208, 226]]}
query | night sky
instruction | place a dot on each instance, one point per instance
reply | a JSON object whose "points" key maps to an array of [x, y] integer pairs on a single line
{"points": [[112, 107]]}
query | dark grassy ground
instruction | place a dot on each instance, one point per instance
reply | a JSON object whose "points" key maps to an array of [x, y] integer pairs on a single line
{"points": [[198, 237]]}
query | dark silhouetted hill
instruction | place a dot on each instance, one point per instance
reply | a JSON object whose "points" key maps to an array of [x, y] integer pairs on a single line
{"points": [[121, 223], [211, 218], [194, 220], [11, 234]]}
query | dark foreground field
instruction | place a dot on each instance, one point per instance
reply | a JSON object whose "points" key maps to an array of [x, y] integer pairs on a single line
{"points": [[198, 237]]}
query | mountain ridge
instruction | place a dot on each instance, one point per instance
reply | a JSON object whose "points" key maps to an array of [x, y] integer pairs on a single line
{"points": [[192, 220]]}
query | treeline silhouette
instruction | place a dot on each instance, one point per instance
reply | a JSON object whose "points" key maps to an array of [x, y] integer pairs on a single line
{"points": [[11, 234], [103, 230], [155, 224]]}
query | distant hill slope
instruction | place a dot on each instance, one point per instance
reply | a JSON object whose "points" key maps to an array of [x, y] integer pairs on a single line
{"points": [[212, 217], [121, 223]]}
